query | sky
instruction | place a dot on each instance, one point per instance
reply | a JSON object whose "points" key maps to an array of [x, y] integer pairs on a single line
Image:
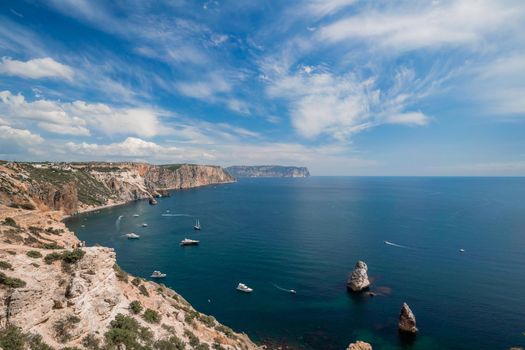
{"points": [[344, 87]]}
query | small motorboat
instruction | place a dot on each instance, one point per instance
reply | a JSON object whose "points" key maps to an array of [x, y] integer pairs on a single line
{"points": [[462, 250], [132, 235], [135, 215], [144, 225], [241, 287], [293, 291], [197, 225], [187, 241], [158, 274]]}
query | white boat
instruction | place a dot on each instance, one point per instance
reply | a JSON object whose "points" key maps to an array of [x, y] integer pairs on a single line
{"points": [[187, 241], [158, 274], [144, 225], [462, 250], [241, 287], [197, 225], [132, 235], [293, 291], [135, 215]]}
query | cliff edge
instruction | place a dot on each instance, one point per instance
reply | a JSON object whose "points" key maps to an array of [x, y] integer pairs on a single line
{"points": [[76, 187]]}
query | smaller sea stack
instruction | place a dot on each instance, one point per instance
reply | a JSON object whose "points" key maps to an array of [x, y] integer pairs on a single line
{"points": [[359, 345], [407, 320], [358, 280]]}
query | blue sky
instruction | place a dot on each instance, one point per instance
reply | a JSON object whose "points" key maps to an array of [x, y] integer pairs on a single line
{"points": [[345, 87]]}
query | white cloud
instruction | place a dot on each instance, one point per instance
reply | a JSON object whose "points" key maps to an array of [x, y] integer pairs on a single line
{"points": [[79, 117], [204, 90], [36, 68], [130, 147], [339, 106], [424, 25], [18, 141]]}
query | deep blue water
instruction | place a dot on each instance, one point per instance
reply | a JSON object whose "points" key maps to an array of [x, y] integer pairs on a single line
{"points": [[307, 234]]}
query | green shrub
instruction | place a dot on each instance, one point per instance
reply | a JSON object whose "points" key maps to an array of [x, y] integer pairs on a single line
{"points": [[136, 281], [194, 341], [135, 307], [35, 342], [226, 330], [10, 222], [91, 342], [207, 320], [125, 330], [12, 338], [51, 246], [121, 274], [201, 346], [143, 290], [217, 346], [50, 258], [71, 257], [4, 265], [172, 343], [34, 254], [11, 281], [151, 316], [64, 326]]}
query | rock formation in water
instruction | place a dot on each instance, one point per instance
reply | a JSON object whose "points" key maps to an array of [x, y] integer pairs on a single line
{"points": [[359, 345], [267, 171], [358, 280], [56, 292], [407, 320], [73, 187]]}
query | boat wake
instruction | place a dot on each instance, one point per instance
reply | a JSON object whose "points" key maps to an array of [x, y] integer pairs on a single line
{"points": [[117, 223], [177, 215], [397, 245], [284, 289]]}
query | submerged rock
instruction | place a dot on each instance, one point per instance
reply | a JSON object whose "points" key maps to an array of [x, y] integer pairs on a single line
{"points": [[407, 320], [358, 280], [152, 201], [359, 345]]}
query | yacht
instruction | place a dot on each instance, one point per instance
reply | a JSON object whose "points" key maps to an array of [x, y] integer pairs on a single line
{"points": [[132, 235], [158, 274], [135, 215], [241, 287], [197, 225], [187, 241]]}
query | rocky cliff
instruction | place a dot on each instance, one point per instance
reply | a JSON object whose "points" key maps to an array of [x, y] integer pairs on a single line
{"points": [[73, 187], [267, 171], [55, 294]]}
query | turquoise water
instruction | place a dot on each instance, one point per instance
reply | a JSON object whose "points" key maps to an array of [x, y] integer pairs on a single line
{"points": [[306, 234]]}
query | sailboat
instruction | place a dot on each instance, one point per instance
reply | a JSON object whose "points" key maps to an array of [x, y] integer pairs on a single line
{"points": [[197, 225]]}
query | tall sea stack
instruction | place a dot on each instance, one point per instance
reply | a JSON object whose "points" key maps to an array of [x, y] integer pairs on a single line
{"points": [[358, 280]]}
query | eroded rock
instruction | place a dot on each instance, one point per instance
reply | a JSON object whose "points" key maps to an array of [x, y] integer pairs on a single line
{"points": [[358, 280], [359, 345], [407, 320]]}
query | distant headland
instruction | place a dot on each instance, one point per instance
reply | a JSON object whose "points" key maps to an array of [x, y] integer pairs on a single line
{"points": [[267, 171]]}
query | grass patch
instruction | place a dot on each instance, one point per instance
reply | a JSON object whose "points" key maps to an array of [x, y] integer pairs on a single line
{"points": [[12, 338], [35, 254], [11, 282], [10, 222], [4, 265], [64, 326]]}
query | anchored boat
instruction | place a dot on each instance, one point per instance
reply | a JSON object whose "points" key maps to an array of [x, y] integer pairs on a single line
{"points": [[158, 274], [187, 241], [241, 287], [132, 235]]}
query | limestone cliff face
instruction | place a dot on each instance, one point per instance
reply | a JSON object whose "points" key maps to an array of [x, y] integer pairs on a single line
{"points": [[73, 187], [64, 301], [267, 171]]}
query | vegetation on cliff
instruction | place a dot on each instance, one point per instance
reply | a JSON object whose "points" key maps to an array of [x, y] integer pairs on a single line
{"points": [[267, 171]]}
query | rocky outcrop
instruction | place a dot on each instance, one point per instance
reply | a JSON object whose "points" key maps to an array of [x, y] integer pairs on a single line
{"points": [[74, 187], [359, 345], [407, 320], [267, 171], [358, 280], [65, 301]]}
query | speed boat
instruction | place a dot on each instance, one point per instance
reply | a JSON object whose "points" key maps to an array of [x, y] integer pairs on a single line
{"points": [[462, 250], [136, 215], [158, 274], [187, 241], [241, 287], [293, 291], [144, 225], [132, 235]]}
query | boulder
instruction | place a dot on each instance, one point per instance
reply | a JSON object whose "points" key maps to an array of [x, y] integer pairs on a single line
{"points": [[407, 320], [358, 280], [359, 345], [152, 201]]}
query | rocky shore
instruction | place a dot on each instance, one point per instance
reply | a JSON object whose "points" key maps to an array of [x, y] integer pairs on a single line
{"points": [[57, 294]]}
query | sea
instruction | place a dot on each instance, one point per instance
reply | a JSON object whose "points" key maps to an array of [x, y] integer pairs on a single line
{"points": [[307, 234]]}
